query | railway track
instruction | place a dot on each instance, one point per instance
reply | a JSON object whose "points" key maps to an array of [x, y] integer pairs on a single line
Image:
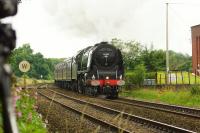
{"points": [[133, 118], [179, 110]]}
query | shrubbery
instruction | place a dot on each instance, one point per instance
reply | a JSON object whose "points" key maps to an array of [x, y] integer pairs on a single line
{"points": [[150, 75], [137, 76], [195, 90], [25, 108], [28, 120]]}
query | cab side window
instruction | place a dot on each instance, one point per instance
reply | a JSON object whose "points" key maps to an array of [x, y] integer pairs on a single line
{"points": [[85, 61]]}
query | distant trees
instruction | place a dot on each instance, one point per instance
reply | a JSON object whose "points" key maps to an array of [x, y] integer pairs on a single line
{"points": [[131, 52], [135, 56], [39, 64], [154, 60]]}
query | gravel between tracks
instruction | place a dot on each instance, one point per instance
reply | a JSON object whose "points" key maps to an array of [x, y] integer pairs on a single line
{"points": [[113, 118], [172, 119], [64, 121]]}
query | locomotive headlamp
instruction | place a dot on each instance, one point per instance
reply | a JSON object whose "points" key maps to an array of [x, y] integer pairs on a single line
{"points": [[107, 77], [8, 8]]}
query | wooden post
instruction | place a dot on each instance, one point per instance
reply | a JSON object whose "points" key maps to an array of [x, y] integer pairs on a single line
{"points": [[176, 78], [24, 81], [182, 77], [195, 76], [160, 79], [156, 78], [170, 78], [189, 77]]}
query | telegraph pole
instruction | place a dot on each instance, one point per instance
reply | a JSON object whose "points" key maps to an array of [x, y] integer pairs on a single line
{"points": [[167, 41]]}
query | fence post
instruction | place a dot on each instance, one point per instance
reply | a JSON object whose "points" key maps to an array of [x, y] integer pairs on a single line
{"points": [[156, 78], [176, 78], [170, 79], [182, 77], [160, 79], [189, 76], [195, 76]]}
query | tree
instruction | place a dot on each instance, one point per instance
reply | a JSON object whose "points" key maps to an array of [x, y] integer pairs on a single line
{"points": [[154, 60], [131, 52], [39, 64]]}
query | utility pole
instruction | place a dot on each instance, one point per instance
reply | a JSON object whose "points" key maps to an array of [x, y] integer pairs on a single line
{"points": [[167, 41]]}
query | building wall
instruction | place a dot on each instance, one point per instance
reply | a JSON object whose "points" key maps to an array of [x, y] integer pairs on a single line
{"points": [[196, 48]]}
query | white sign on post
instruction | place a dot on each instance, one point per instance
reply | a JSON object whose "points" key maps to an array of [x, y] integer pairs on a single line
{"points": [[24, 66]]}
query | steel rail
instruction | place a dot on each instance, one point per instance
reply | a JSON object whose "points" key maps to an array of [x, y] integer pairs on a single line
{"points": [[179, 110], [111, 126], [138, 119]]}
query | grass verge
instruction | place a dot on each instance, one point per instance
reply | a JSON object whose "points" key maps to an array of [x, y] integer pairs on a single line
{"points": [[28, 120], [183, 97], [30, 81]]}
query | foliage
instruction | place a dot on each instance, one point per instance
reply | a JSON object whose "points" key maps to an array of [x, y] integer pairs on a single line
{"points": [[137, 76], [195, 90], [131, 52], [29, 81], [27, 118], [154, 60], [39, 64], [169, 96], [150, 75], [179, 61]]}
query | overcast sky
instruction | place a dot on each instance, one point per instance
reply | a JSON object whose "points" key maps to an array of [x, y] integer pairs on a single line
{"points": [[59, 28]]}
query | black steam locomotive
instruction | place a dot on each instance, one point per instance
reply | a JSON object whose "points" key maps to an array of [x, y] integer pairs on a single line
{"points": [[94, 70]]}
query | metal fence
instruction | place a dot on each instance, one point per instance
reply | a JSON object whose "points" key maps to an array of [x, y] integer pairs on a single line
{"points": [[177, 78]]}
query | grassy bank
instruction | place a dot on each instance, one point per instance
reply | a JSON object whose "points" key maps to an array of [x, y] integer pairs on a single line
{"points": [[30, 81], [185, 97], [28, 119]]}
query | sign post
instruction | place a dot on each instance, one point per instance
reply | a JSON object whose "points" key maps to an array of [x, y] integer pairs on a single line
{"points": [[24, 67]]}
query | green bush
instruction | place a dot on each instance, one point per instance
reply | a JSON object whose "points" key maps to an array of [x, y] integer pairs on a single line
{"points": [[34, 81], [28, 119], [195, 90], [150, 75], [137, 76]]}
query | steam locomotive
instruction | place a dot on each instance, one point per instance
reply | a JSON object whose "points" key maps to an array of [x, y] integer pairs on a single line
{"points": [[95, 70]]}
